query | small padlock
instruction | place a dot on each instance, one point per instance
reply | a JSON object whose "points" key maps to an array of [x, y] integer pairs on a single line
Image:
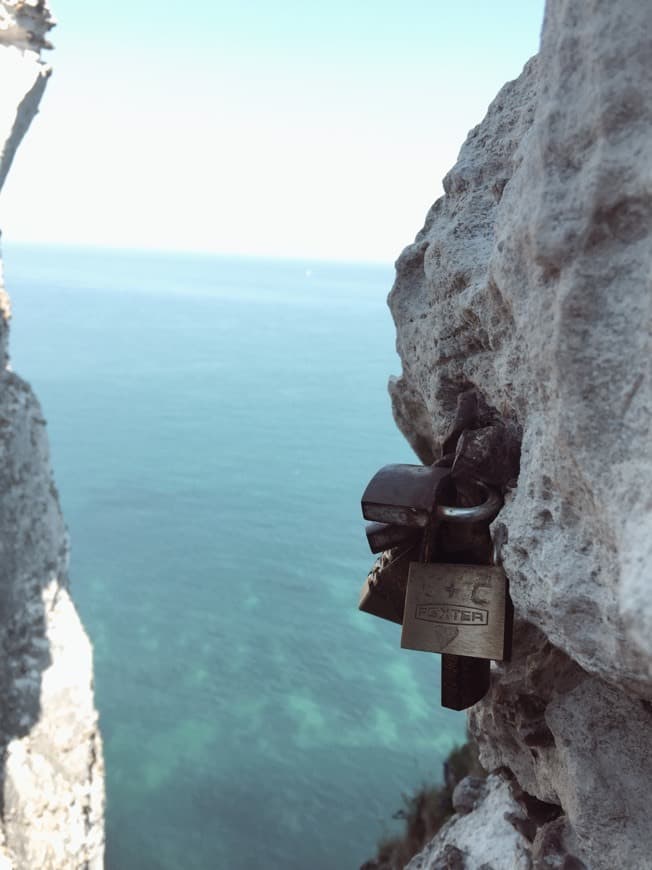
{"points": [[383, 592]]}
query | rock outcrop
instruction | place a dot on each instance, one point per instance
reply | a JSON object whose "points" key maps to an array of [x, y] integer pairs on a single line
{"points": [[531, 283], [51, 774], [488, 834]]}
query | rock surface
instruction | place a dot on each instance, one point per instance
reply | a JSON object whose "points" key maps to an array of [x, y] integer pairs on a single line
{"points": [[483, 838], [51, 779], [530, 282], [25, 23]]}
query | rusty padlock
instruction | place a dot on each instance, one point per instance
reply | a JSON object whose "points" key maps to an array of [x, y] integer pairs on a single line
{"points": [[405, 495], [401, 498]]}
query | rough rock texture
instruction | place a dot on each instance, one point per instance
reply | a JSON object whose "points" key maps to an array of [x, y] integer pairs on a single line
{"points": [[485, 837], [51, 776], [24, 23], [530, 282]]}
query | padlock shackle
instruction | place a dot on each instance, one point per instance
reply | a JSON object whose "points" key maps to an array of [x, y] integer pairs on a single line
{"points": [[487, 510]]}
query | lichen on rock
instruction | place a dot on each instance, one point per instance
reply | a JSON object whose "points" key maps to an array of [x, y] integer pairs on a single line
{"points": [[530, 283]]}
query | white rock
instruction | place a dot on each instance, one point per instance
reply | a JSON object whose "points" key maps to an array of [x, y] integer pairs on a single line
{"points": [[52, 779], [24, 23], [467, 794], [482, 838], [531, 281]]}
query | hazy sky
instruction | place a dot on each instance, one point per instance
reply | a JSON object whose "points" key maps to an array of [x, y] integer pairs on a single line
{"points": [[270, 127]]}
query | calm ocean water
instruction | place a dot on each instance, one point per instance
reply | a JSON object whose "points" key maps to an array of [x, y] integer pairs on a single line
{"points": [[213, 423]]}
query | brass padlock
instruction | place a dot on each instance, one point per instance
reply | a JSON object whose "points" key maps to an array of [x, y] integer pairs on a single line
{"points": [[459, 609], [465, 680], [456, 609]]}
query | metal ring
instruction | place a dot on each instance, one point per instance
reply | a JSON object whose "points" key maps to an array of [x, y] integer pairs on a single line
{"points": [[485, 511]]}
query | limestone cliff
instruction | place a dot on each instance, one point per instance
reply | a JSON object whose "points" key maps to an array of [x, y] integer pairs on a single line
{"points": [[51, 775], [530, 281]]}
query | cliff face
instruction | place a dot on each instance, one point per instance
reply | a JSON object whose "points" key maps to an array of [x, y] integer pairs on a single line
{"points": [[530, 281], [51, 775]]}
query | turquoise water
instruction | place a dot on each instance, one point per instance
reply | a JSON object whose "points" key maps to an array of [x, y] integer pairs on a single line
{"points": [[213, 423]]}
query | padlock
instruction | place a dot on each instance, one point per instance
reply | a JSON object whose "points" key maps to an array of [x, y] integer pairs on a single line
{"points": [[458, 608], [423, 500], [383, 592], [403, 498], [406, 495], [386, 536]]}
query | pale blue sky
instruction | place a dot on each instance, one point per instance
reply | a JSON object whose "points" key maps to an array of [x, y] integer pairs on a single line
{"points": [[282, 128]]}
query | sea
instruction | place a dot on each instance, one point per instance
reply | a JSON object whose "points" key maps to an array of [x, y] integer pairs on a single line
{"points": [[213, 422]]}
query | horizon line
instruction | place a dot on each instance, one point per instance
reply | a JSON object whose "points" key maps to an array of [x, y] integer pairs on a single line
{"points": [[190, 252]]}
